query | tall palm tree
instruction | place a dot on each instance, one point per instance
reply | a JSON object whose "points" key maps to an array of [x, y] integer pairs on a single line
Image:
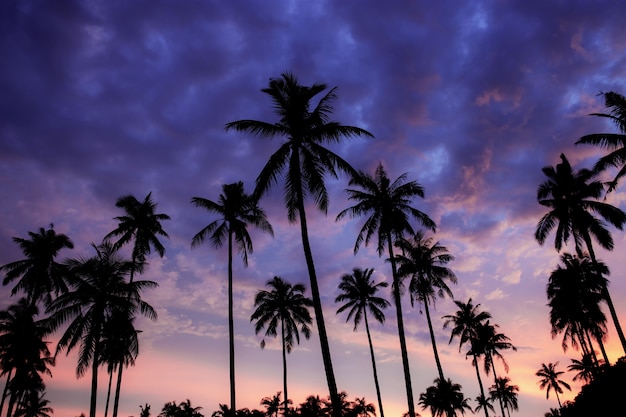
{"points": [[444, 398], [141, 225], [489, 343], [466, 322], [505, 392], [387, 206], [572, 197], [236, 210], [586, 368], [424, 261], [484, 403], [98, 289], [550, 380], [359, 294], [303, 161], [24, 354], [40, 276], [574, 293], [615, 143], [286, 306]]}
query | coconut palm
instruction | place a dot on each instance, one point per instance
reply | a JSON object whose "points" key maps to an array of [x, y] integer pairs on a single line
{"points": [[484, 403], [313, 406], [361, 408], [286, 306], [489, 343], [572, 199], [506, 393], [34, 405], [24, 354], [550, 380], [615, 143], [98, 289], [424, 261], [444, 398], [303, 161], [466, 322], [586, 368], [184, 409], [39, 275], [272, 405], [387, 206], [574, 293], [236, 210], [359, 294]]}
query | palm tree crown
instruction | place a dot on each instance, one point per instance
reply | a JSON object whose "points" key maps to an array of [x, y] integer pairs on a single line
{"points": [[550, 380]]}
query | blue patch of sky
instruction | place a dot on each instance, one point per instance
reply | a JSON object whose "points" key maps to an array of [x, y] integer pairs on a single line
{"points": [[432, 163]]}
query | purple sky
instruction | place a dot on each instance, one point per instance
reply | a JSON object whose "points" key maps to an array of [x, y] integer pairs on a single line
{"points": [[104, 98]]}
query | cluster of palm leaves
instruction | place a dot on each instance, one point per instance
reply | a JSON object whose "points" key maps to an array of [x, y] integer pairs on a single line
{"points": [[576, 289], [97, 298]]}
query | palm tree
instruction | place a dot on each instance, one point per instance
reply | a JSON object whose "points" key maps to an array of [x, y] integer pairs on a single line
{"points": [[236, 210], [283, 305], [313, 406], [444, 398], [388, 207], [572, 199], [184, 409], [489, 343], [361, 408], [359, 294], [466, 322], [574, 293], [141, 225], [272, 405], [506, 393], [550, 380], [615, 143], [98, 290], [34, 405], [24, 353], [303, 161], [484, 403], [425, 262], [39, 274], [586, 368]]}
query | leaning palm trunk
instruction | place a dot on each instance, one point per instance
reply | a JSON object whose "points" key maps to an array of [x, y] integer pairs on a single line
{"points": [[94, 377], [106, 406], [606, 295], [369, 339], [6, 390], [480, 381], [495, 379], [231, 325], [432, 340], [317, 308], [282, 336], [405, 357], [118, 388]]}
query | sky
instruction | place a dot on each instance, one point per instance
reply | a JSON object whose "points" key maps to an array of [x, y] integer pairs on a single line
{"points": [[471, 99]]}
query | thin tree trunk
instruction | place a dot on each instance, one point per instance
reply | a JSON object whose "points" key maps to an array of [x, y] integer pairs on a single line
{"points": [[118, 388], [495, 378], [231, 326], [432, 340], [106, 407], [369, 339], [405, 357], [5, 390], [558, 399], [480, 382], [282, 335], [94, 378], [317, 307], [607, 296]]}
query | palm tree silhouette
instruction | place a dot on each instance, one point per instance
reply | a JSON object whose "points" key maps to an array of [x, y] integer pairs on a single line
{"points": [[586, 368], [98, 290], [550, 380], [466, 322], [40, 276], [141, 225], [425, 262], [24, 353], [572, 199], [388, 207], [306, 161], [444, 398], [484, 403], [615, 143], [489, 343], [272, 405], [236, 210], [574, 293], [34, 404], [506, 393], [359, 294], [286, 306], [361, 408]]}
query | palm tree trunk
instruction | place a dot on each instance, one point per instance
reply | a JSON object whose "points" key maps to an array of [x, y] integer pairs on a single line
{"points": [[480, 382], [405, 357], [282, 335], [94, 378], [558, 399], [432, 340], [5, 390], [106, 407], [317, 308], [607, 296], [231, 326], [118, 389], [369, 339], [495, 378]]}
